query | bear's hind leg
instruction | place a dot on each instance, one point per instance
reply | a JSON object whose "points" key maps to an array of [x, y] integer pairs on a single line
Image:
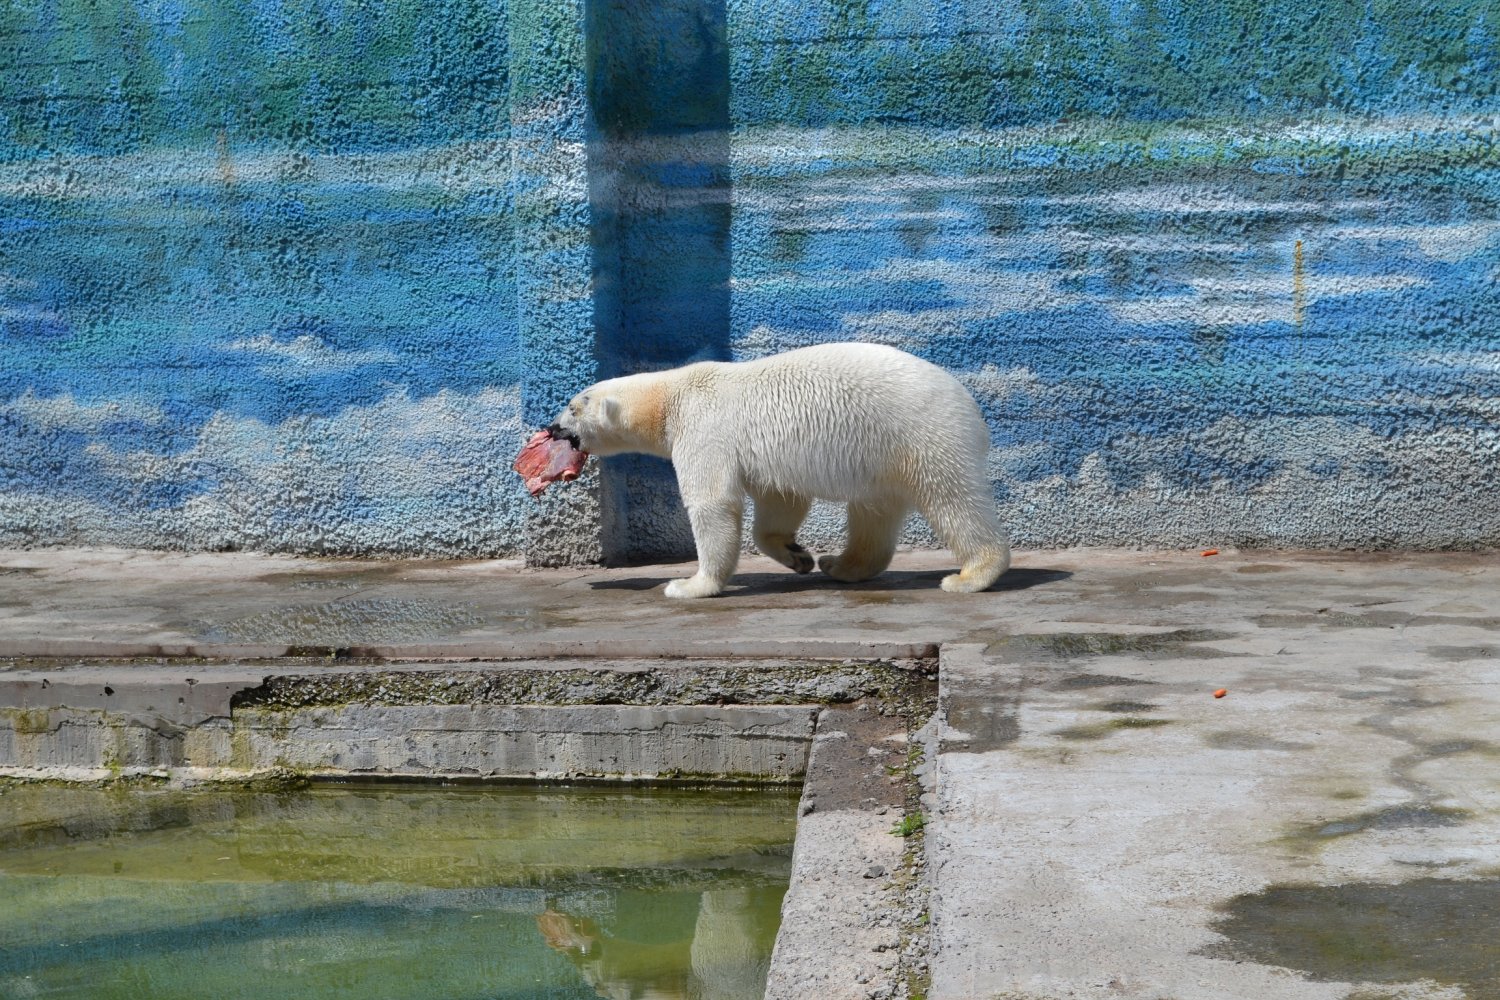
{"points": [[716, 534], [777, 518], [969, 525], [873, 530]]}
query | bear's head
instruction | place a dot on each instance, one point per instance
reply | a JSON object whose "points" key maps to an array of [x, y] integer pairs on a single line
{"points": [[614, 417]]}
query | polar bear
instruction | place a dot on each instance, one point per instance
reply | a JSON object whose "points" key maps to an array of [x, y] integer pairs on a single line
{"points": [[871, 426]]}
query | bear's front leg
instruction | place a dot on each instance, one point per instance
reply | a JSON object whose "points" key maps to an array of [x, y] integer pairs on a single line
{"points": [[716, 534]]}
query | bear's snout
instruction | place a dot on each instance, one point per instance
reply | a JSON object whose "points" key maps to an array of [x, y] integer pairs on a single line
{"points": [[559, 433]]}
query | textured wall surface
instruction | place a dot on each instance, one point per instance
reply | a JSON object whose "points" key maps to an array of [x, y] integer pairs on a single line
{"points": [[1217, 273], [296, 276], [257, 275]]}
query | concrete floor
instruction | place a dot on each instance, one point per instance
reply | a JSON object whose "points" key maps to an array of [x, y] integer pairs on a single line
{"points": [[1100, 825]]}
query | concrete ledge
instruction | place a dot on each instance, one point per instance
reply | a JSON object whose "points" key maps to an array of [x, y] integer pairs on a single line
{"points": [[506, 649], [753, 743], [840, 936], [508, 741], [658, 719]]}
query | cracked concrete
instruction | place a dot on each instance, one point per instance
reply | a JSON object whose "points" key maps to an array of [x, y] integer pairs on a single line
{"points": [[1098, 823]]}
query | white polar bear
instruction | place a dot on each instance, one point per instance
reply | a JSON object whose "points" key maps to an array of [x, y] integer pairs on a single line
{"points": [[868, 425]]}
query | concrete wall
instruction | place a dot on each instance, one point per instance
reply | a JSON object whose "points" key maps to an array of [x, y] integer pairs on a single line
{"points": [[298, 277]]}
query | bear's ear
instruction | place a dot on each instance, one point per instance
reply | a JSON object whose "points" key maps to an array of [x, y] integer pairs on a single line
{"points": [[609, 409]]}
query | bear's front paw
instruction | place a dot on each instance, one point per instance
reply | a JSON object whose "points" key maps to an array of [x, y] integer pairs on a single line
{"points": [[694, 586], [798, 559], [957, 583]]}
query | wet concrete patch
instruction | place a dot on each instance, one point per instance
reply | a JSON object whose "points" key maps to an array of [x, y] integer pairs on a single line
{"points": [[351, 576], [1100, 730], [1083, 682], [1330, 618], [979, 724], [1436, 929], [1392, 699], [323, 583], [1326, 618], [1446, 747], [1458, 654], [1402, 817], [1150, 646], [1236, 740], [1125, 707]]}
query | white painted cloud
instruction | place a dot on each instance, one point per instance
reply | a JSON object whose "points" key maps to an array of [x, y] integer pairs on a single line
{"points": [[429, 475], [64, 413], [147, 176], [1250, 300], [30, 314], [1146, 244], [992, 384], [1479, 361], [1175, 199], [1450, 243], [308, 351]]}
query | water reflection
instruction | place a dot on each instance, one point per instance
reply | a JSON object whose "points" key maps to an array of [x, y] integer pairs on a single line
{"points": [[672, 946], [384, 892]]}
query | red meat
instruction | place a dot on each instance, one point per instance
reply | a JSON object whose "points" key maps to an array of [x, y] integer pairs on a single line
{"points": [[546, 460]]}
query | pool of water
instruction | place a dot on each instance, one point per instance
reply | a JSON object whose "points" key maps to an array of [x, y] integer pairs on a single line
{"points": [[391, 891]]}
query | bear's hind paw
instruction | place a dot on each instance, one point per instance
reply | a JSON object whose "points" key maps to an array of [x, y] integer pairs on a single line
{"points": [[957, 583], [694, 586], [838, 568]]}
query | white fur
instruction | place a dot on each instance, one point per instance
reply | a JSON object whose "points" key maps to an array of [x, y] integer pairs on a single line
{"points": [[867, 425]]}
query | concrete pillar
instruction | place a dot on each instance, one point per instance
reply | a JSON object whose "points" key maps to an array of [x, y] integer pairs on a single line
{"points": [[659, 202], [620, 125]]}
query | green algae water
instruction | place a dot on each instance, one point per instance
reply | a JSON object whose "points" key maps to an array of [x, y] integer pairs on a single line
{"points": [[382, 891]]}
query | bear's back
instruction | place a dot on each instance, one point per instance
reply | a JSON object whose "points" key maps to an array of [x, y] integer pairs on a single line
{"points": [[839, 420]]}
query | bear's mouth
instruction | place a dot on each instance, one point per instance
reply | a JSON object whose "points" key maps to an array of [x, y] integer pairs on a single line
{"points": [[556, 433]]}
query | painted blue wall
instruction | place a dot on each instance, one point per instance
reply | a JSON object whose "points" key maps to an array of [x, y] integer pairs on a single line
{"points": [[257, 276], [297, 276], [1217, 274]]}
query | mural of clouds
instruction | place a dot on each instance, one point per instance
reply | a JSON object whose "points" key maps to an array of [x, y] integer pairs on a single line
{"points": [[388, 477], [287, 277], [1250, 355]]}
